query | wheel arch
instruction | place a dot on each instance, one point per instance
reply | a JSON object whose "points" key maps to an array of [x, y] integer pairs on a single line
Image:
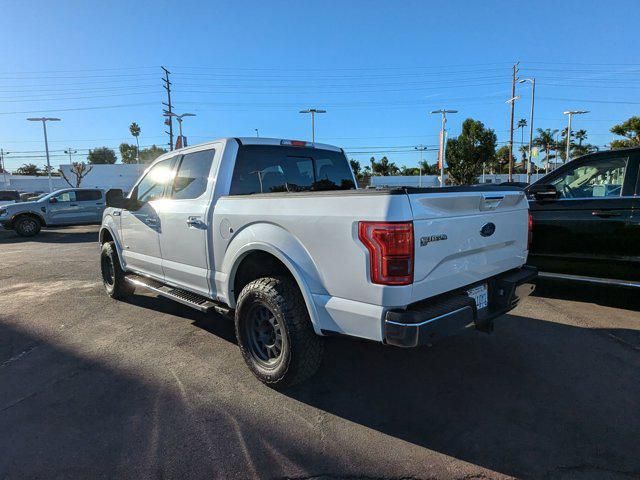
{"points": [[256, 253], [107, 234]]}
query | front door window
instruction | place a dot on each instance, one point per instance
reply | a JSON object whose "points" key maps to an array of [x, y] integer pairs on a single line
{"points": [[597, 179]]}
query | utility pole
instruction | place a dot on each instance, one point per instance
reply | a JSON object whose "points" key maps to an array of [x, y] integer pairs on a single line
{"points": [[169, 110], [70, 152], [443, 144], [4, 168], [44, 121], [422, 148], [513, 105], [533, 99], [570, 113], [313, 112]]}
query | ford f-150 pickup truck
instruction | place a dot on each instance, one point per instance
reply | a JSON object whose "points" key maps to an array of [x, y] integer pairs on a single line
{"points": [[276, 233]]}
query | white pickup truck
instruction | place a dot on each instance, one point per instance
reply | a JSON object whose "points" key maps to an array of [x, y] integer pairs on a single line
{"points": [[275, 232]]}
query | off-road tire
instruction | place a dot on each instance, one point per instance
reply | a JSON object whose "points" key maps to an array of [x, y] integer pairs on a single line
{"points": [[112, 274], [27, 226], [302, 348]]}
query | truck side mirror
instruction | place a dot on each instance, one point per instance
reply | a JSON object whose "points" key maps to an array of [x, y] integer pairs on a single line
{"points": [[115, 198], [543, 192]]}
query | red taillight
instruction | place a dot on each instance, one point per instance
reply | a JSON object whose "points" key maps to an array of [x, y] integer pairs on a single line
{"points": [[530, 237], [390, 248], [296, 143]]}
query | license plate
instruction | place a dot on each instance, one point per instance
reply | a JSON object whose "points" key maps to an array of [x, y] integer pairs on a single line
{"points": [[480, 294]]}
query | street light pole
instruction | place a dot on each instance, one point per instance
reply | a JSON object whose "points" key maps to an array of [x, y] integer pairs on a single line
{"points": [[69, 151], [443, 147], [257, 133], [533, 99], [44, 121], [570, 114], [313, 112], [179, 119]]}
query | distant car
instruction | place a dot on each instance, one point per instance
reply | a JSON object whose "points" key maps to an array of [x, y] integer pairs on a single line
{"points": [[9, 196], [586, 222], [71, 206]]}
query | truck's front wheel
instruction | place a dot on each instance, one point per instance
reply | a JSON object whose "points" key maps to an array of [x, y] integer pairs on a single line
{"points": [[275, 334], [27, 226], [113, 277]]}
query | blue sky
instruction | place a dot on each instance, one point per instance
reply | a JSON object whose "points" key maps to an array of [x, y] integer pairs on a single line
{"points": [[377, 67]]}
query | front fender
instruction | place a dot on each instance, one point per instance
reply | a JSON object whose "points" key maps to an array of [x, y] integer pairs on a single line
{"points": [[108, 225], [280, 243]]}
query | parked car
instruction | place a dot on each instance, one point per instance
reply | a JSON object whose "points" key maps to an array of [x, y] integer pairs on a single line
{"points": [[9, 196], [70, 206], [276, 232], [586, 219]]}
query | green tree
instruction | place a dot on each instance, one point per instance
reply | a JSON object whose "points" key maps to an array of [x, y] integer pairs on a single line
{"points": [[429, 169], [384, 167], [546, 141], [102, 155], [128, 153], [356, 168], [148, 155], [134, 129], [630, 129], [501, 159], [466, 154], [28, 169]]}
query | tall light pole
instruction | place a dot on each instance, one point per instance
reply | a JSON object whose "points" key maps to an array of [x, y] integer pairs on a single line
{"points": [[532, 81], [313, 112], [443, 146], [257, 133], [44, 121], [571, 113], [2, 164], [422, 148]]}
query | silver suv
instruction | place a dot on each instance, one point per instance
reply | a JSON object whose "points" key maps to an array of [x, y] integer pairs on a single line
{"points": [[71, 206]]}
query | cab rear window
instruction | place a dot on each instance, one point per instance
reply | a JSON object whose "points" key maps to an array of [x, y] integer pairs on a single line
{"points": [[273, 168]]}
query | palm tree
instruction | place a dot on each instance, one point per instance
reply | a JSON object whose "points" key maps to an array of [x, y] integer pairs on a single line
{"points": [[545, 141], [134, 128], [581, 136], [521, 124]]}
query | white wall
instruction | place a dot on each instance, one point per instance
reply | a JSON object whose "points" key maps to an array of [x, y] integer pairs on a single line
{"points": [[101, 176]]}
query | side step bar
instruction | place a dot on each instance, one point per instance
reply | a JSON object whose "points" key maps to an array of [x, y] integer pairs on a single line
{"points": [[594, 280], [185, 297]]}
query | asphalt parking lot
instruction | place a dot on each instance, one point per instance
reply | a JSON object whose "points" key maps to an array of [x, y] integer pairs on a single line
{"points": [[95, 388]]}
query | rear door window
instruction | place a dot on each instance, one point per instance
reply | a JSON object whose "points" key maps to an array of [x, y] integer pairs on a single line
{"points": [[272, 168], [88, 195]]}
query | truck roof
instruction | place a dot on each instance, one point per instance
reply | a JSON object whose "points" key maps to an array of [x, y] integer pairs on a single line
{"points": [[261, 141]]}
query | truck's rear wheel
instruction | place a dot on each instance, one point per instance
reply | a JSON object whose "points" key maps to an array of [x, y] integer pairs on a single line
{"points": [[275, 334], [27, 226], [112, 274]]}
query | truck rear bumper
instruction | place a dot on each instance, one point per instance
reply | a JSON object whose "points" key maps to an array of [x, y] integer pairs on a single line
{"points": [[424, 322]]}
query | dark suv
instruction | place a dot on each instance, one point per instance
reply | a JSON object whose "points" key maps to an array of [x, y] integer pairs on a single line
{"points": [[586, 222]]}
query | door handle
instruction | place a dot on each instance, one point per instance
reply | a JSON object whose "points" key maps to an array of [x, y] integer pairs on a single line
{"points": [[194, 222], [604, 213], [73, 204], [117, 213]]}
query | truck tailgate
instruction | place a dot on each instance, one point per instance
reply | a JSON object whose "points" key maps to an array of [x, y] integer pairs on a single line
{"points": [[464, 237]]}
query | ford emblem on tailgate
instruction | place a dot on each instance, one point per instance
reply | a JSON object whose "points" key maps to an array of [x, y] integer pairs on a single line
{"points": [[487, 229]]}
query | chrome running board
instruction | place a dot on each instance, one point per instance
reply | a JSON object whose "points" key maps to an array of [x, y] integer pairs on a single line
{"points": [[595, 280]]}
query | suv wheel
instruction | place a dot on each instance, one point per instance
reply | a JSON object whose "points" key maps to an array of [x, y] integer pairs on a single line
{"points": [[112, 274], [27, 226], [275, 334]]}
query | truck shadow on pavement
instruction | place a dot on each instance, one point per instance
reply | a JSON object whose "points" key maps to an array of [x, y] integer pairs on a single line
{"points": [[534, 399]]}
